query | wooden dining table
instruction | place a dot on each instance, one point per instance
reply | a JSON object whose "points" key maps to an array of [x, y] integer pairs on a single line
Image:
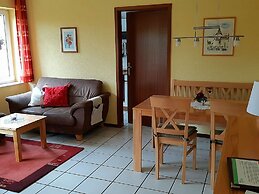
{"points": [[241, 140]]}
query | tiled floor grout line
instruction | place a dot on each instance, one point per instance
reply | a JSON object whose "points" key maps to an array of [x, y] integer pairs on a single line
{"points": [[85, 177], [98, 146], [124, 169], [63, 172], [116, 177], [204, 183], [105, 160], [145, 178], [148, 173], [54, 187], [174, 180]]}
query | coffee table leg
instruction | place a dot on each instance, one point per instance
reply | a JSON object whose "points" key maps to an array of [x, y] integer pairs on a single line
{"points": [[17, 146], [43, 134]]}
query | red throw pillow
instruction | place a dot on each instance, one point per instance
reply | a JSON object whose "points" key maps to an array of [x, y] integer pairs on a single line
{"points": [[56, 96]]}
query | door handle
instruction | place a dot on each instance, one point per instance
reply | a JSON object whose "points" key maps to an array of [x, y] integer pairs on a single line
{"points": [[129, 67]]}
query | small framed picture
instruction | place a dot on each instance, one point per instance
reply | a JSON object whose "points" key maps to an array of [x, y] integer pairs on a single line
{"points": [[69, 39], [222, 47]]}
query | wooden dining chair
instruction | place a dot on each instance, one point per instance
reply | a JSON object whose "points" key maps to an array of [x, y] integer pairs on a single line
{"points": [[230, 110], [167, 131]]}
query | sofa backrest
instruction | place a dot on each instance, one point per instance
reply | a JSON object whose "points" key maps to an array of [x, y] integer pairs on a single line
{"points": [[79, 89]]}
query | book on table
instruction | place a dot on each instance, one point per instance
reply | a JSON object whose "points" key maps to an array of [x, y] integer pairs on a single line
{"points": [[244, 173]]}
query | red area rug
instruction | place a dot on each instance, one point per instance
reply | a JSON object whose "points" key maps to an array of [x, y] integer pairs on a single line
{"points": [[36, 162]]}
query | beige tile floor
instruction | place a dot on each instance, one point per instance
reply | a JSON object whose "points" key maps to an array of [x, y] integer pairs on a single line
{"points": [[105, 167]]}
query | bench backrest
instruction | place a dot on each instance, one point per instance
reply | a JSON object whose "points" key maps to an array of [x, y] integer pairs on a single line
{"points": [[212, 90]]}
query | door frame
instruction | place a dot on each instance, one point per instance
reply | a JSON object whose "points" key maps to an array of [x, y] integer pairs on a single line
{"points": [[118, 47]]}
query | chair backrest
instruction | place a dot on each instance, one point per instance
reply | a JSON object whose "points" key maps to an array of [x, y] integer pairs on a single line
{"points": [[164, 110], [230, 109]]}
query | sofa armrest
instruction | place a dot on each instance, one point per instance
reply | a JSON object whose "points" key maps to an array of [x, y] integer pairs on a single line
{"points": [[82, 112], [18, 102], [105, 98], [86, 105], [84, 109]]}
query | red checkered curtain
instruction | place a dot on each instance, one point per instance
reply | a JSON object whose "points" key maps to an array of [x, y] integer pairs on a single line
{"points": [[23, 41]]}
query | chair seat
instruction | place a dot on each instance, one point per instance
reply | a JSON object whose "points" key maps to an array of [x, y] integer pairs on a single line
{"points": [[219, 142], [218, 131], [191, 130]]}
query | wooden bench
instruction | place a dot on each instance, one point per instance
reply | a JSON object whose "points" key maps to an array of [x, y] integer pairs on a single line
{"points": [[212, 90]]}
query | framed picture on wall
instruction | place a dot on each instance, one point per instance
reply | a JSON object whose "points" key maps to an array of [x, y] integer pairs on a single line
{"points": [[69, 39], [220, 46]]}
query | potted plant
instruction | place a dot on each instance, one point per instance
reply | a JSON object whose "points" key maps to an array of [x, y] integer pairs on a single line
{"points": [[200, 97]]}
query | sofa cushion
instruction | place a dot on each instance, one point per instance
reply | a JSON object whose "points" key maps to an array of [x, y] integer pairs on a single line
{"points": [[36, 97], [80, 89], [56, 96], [36, 110], [59, 116]]}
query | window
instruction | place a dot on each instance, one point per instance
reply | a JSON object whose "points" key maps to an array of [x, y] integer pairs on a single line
{"points": [[6, 59]]}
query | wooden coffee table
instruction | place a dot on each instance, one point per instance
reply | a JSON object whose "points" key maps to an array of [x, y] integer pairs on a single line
{"points": [[16, 124]]}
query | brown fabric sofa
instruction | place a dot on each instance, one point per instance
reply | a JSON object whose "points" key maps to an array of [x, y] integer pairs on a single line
{"points": [[75, 119]]}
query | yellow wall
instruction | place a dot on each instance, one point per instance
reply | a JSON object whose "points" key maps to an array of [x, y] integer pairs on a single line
{"points": [[7, 3], [188, 63], [9, 91], [96, 58]]}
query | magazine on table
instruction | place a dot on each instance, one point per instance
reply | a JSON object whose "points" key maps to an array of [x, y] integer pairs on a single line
{"points": [[244, 173]]}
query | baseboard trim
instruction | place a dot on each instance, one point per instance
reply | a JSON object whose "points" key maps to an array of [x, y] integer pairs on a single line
{"points": [[112, 125]]}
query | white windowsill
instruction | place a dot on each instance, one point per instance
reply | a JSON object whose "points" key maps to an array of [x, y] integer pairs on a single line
{"points": [[10, 84]]}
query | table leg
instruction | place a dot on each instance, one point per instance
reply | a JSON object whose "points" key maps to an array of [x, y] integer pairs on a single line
{"points": [[43, 133], [137, 140], [17, 146]]}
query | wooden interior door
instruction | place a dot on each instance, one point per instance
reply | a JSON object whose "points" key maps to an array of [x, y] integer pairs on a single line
{"points": [[148, 46]]}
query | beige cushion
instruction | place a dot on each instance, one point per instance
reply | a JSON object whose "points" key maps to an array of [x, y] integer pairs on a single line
{"points": [[36, 97]]}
